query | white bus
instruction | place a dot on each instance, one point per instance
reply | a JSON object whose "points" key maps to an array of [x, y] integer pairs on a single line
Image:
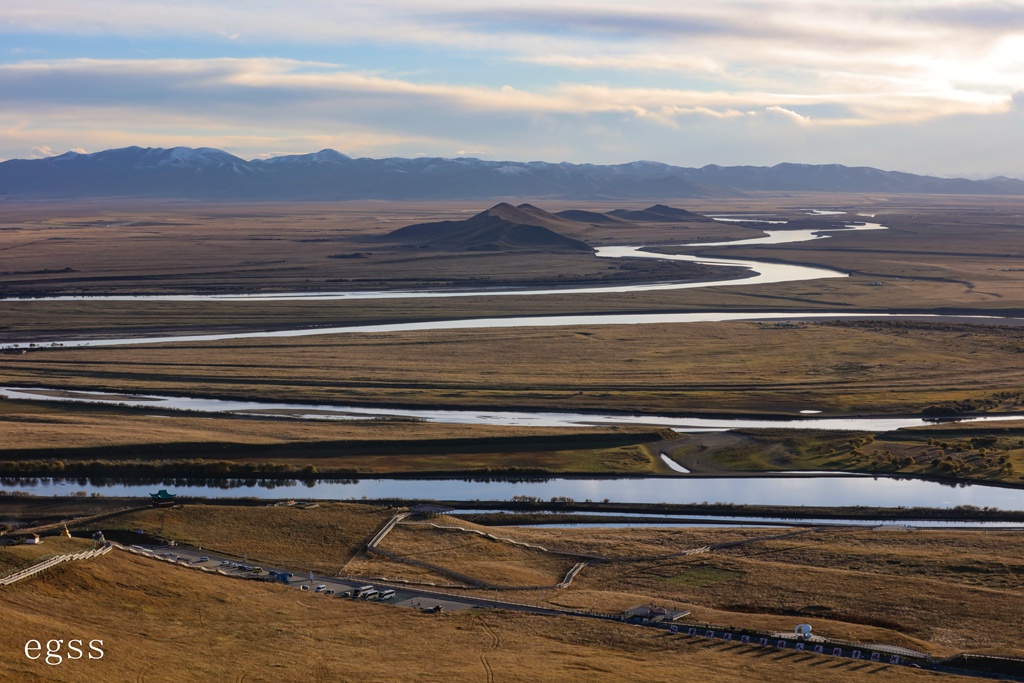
{"points": [[385, 594]]}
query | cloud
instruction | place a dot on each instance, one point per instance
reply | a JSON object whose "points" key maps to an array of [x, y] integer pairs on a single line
{"points": [[42, 152], [987, 16], [519, 78], [885, 61], [632, 62], [247, 92], [788, 114], [609, 20]]}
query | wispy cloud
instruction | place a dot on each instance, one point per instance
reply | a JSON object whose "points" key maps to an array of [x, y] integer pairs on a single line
{"points": [[256, 87], [620, 72]]}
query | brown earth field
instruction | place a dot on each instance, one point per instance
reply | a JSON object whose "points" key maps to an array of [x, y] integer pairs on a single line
{"points": [[854, 584]]}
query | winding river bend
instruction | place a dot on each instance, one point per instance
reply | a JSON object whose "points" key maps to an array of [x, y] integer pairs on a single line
{"points": [[805, 490], [761, 273]]}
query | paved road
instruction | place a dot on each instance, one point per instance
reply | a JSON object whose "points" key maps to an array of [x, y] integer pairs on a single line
{"points": [[405, 596]]}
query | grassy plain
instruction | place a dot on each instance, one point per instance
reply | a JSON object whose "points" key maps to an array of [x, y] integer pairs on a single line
{"points": [[36, 432], [865, 585], [942, 255], [940, 591], [322, 539], [15, 557], [163, 623], [111, 247], [979, 452], [741, 367]]}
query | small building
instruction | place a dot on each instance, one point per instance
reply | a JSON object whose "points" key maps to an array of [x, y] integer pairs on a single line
{"points": [[654, 613], [162, 498], [33, 539]]}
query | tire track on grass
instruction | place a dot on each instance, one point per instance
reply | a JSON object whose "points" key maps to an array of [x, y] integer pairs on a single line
{"points": [[495, 644]]}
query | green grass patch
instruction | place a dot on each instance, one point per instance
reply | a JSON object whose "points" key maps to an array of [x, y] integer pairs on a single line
{"points": [[700, 577]]}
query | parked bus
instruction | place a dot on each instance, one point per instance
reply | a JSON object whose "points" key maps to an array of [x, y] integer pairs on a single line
{"points": [[385, 594], [358, 592]]}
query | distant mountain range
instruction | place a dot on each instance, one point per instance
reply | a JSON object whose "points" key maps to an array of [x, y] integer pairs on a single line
{"points": [[212, 174]]}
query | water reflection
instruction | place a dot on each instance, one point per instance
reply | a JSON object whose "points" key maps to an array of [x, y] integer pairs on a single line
{"points": [[834, 491], [490, 417]]}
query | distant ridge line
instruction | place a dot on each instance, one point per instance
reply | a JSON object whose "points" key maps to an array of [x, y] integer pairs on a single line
{"points": [[211, 174]]}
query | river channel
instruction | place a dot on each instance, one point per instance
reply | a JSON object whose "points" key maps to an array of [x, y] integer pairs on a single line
{"points": [[831, 491], [315, 411], [761, 273], [792, 490]]}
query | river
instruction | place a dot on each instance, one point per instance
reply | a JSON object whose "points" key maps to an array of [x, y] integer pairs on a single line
{"points": [[760, 273], [805, 490], [318, 411], [823, 491]]}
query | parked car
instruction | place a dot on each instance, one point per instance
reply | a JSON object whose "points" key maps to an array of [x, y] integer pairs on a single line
{"points": [[321, 588]]}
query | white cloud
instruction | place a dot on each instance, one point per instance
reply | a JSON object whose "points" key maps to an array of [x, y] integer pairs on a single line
{"points": [[550, 74], [788, 114]]}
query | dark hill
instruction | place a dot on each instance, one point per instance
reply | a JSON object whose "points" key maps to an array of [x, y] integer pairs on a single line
{"points": [[503, 227], [580, 216], [659, 213]]}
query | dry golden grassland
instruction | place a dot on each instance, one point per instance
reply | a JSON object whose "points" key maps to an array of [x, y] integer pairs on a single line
{"points": [[699, 367], [972, 452], [941, 253], [15, 557], [131, 247], [497, 563], [81, 432], [939, 591], [322, 539], [164, 623]]}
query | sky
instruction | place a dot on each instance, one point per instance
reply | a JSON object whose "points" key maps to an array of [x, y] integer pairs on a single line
{"points": [[925, 86]]}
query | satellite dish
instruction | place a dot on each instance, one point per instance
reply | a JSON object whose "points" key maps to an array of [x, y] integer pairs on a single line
{"points": [[803, 630]]}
